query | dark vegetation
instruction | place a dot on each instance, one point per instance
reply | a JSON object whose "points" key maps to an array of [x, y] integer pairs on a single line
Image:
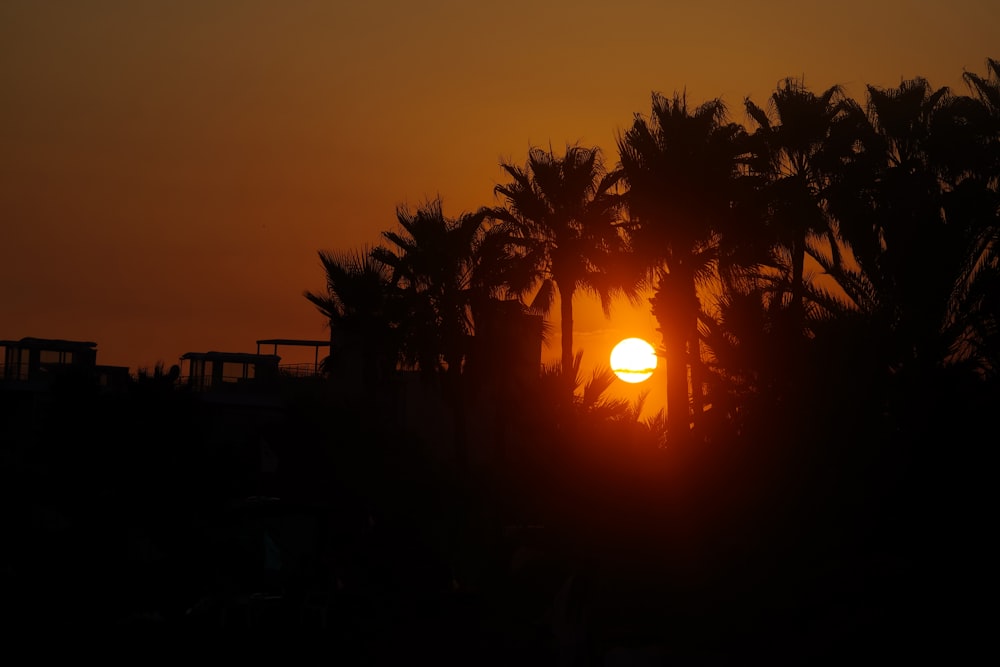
{"points": [[825, 281]]}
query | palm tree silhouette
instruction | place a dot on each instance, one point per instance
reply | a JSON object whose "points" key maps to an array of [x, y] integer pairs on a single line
{"points": [[979, 286], [564, 210], [431, 264], [938, 218], [682, 168], [986, 88], [800, 138], [920, 252], [449, 273], [363, 313]]}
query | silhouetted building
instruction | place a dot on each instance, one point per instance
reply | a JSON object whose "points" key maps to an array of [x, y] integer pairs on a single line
{"points": [[32, 359], [37, 371], [231, 372], [33, 363]]}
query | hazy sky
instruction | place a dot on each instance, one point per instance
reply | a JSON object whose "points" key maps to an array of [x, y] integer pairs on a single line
{"points": [[169, 168]]}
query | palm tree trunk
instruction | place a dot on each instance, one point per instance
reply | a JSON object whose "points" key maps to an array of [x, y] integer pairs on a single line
{"points": [[566, 323], [693, 311], [460, 438], [798, 276], [697, 378], [668, 308]]}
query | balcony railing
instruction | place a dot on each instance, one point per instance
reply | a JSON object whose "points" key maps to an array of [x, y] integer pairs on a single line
{"points": [[240, 383], [299, 370]]}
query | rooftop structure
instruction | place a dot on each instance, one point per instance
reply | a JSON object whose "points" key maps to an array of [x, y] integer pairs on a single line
{"points": [[32, 363], [296, 369], [222, 370]]}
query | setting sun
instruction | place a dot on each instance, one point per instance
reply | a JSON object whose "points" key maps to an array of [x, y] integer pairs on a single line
{"points": [[633, 360]]}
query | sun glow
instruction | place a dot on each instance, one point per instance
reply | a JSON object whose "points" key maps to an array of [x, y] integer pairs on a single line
{"points": [[633, 360]]}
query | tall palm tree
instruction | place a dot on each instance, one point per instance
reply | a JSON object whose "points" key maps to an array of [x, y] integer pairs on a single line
{"points": [[916, 208], [920, 250], [430, 260], [979, 286], [452, 274], [363, 314], [799, 139], [942, 218], [682, 168], [564, 210]]}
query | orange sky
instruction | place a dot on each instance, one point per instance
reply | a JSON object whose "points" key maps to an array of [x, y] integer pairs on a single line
{"points": [[169, 168]]}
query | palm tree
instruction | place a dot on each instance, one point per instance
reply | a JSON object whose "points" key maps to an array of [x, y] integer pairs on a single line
{"points": [[564, 210], [800, 138], [986, 88], [915, 207], [941, 235], [979, 315], [363, 313], [431, 264], [452, 274], [920, 250], [682, 167]]}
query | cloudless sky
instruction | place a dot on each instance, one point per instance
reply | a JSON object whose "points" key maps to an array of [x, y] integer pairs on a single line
{"points": [[169, 168]]}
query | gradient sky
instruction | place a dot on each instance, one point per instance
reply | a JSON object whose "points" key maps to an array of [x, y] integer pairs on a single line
{"points": [[169, 168]]}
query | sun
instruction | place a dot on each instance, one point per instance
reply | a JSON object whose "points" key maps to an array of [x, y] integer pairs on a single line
{"points": [[633, 360]]}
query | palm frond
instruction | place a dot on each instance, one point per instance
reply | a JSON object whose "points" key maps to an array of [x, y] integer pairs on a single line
{"points": [[542, 302]]}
